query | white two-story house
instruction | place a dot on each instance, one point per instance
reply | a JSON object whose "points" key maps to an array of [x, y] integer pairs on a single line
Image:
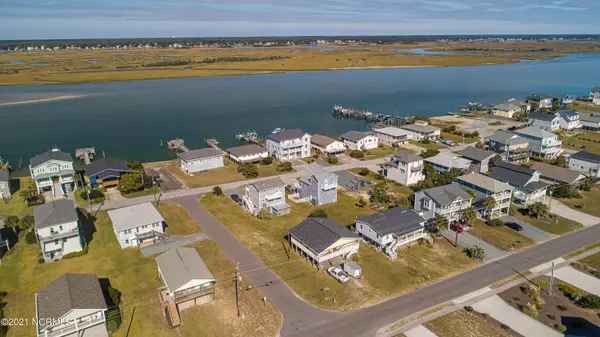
{"points": [[137, 225], [543, 143], [548, 122], [289, 144], [405, 168], [421, 130], [569, 120], [484, 187], [447, 200], [526, 182], [356, 140], [52, 170], [200, 160], [587, 163], [57, 229], [269, 194]]}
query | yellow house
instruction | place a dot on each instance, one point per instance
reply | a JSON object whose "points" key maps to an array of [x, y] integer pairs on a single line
{"points": [[505, 110]]}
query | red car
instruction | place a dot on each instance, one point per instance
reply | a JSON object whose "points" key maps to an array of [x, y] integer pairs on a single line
{"points": [[456, 227]]}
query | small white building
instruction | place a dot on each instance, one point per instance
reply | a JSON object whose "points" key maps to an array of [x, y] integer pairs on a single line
{"points": [[443, 162], [138, 224], [421, 130], [587, 163], [595, 96], [200, 160], [405, 168], [392, 136], [326, 145], [57, 229], [290, 144], [245, 154], [52, 170], [356, 140]]}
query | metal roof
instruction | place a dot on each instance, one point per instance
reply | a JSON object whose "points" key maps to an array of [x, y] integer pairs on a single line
{"points": [[287, 134], [4, 176], [200, 153], [484, 182], [134, 216], [179, 266], [473, 153], [406, 157], [398, 221], [566, 114], [69, 292], [354, 136], [449, 160], [392, 131], [535, 186], [507, 107], [318, 172], [557, 173], [322, 141], [50, 155], [420, 128], [542, 117], [535, 132], [246, 150], [592, 118], [55, 213], [505, 137], [587, 156], [446, 194], [512, 174], [319, 233], [97, 166], [268, 184]]}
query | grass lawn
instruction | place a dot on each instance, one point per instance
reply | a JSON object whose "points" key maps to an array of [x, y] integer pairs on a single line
{"points": [[16, 205], [221, 175], [136, 276], [583, 106], [382, 278], [592, 261], [461, 323], [589, 202], [582, 250], [558, 226], [584, 140], [431, 145], [501, 237], [379, 152], [83, 201], [458, 139], [394, 186], [151, 191], [178, 220]]}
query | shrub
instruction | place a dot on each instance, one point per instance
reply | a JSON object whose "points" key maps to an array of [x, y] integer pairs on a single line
{"points": [[30, 238], [264, 214], [357, 154], [495, 223], [425, 141], [380, 177], [248, 170], [11, 221], [267, 161], [572, 293], [504, 326], [361, 202], [516, 298], [113, 324], [332, 160], [285, 167], [476, 252], [41, 260], [486, 315], [551, 316], [319, 213], [530, 310], [26, 222], [76, 254], [590, 301], [364, 171], [560, 328], [217, 190], [469, 308], [561, 307]]}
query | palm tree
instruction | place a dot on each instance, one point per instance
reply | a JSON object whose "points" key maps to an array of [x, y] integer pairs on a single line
{"points": [[468, 215], [538, 210], [489, 203], [440, 222]]}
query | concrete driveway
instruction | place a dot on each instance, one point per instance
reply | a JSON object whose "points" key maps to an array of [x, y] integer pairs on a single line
{"points": [[169, 181], [565, 211], [173, 242], [467, 240], [579, 279], [419, 331], [515, 319], [529, 230]]}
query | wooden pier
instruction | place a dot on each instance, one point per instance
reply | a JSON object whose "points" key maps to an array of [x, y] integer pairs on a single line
{"points": [[212, 142], [371, 117], [249, 137], [177, 145], [86, 154]]}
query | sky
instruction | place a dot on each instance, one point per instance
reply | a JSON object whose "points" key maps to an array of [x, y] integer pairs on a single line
{"points": [[51, 19]]}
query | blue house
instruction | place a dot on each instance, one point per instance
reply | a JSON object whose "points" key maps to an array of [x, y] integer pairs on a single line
{"points": [[105, 172]]}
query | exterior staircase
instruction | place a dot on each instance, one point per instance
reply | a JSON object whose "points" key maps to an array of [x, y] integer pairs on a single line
{"points": [[390, 249]]}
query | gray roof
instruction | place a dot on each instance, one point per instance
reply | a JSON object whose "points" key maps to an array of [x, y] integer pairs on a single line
{"points": [[179, 266], [587, 156], [134, 216], [280, 206], [200, 153], [484, 182], [55, 213], [535, 132], [449, 160], [506, 107], [406, 157], [446, 194], [318, 172], [354, 136], [537, 97], [535, 186], [398, 221], [557, 173], [246, 150], [268, 184], [514, 101], [392, 131], [69, 292], [97, 166], [473, 153], [49, 155], [420, 128], [513, 174], [287, 134], [592, 118], [566, 114], [320, 233], [320, 140], [505, 137], [4, 176], [542, 117]]}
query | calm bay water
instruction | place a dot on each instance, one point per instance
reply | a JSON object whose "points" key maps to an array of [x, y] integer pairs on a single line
{"points": [[128, 119]]}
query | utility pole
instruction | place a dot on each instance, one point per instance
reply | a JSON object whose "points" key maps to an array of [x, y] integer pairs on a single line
{"points": [[237, 287], [89, 201], [142, 175], [551, 280]]}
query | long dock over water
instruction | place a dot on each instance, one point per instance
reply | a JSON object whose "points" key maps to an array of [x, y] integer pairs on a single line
{"points": [[372, 117]]}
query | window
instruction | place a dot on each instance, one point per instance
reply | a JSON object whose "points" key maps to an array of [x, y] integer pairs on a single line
{"points": [[126, 242], [60, 228]]}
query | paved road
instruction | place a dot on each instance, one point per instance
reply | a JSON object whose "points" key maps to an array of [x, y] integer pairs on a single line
{"points": [[529, 230], [467, 240]]}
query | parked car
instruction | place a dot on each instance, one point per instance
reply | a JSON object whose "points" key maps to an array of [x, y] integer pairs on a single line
{"points": [[157, 180], [514, 226], [456, 227], [451, 143], [338, 274]]}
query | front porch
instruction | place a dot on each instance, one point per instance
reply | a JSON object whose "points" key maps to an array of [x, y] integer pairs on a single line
{"points": [[149, 238]]}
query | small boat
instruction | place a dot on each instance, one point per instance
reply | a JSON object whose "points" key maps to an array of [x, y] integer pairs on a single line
{"points": [[277, 130]]}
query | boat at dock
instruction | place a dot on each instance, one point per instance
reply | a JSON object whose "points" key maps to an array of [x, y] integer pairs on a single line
{"points": [[369, 116]]}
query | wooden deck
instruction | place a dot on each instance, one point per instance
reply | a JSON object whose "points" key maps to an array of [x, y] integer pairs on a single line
{"points": [[173, 315]]}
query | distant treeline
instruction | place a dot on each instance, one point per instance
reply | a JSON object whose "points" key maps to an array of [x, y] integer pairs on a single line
{"points": [[182, 62]]}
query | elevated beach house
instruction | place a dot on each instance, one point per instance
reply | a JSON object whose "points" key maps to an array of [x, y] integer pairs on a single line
{"points": [[569, 120], [326, 145], [509, 146], [392, 136], [542, 100], [447, 200], [405, 168], [105, 172], [443, 162], [392, 228], [543, 143], [506, 110], [544, 121], [323, 242], [245, 154], [552, 174], [188, 282], [485, 187], [356, 140], [422, 130], [72, 305], [5, 188], [138, 224], [269, 194], [319, 185], [289, 144], [480, 159], [200, 160], [526, 182], [52, 170], [587, 163], [57, 229]]}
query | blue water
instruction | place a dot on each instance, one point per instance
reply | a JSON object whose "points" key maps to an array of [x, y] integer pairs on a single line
{"points": [[128, 119]]}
